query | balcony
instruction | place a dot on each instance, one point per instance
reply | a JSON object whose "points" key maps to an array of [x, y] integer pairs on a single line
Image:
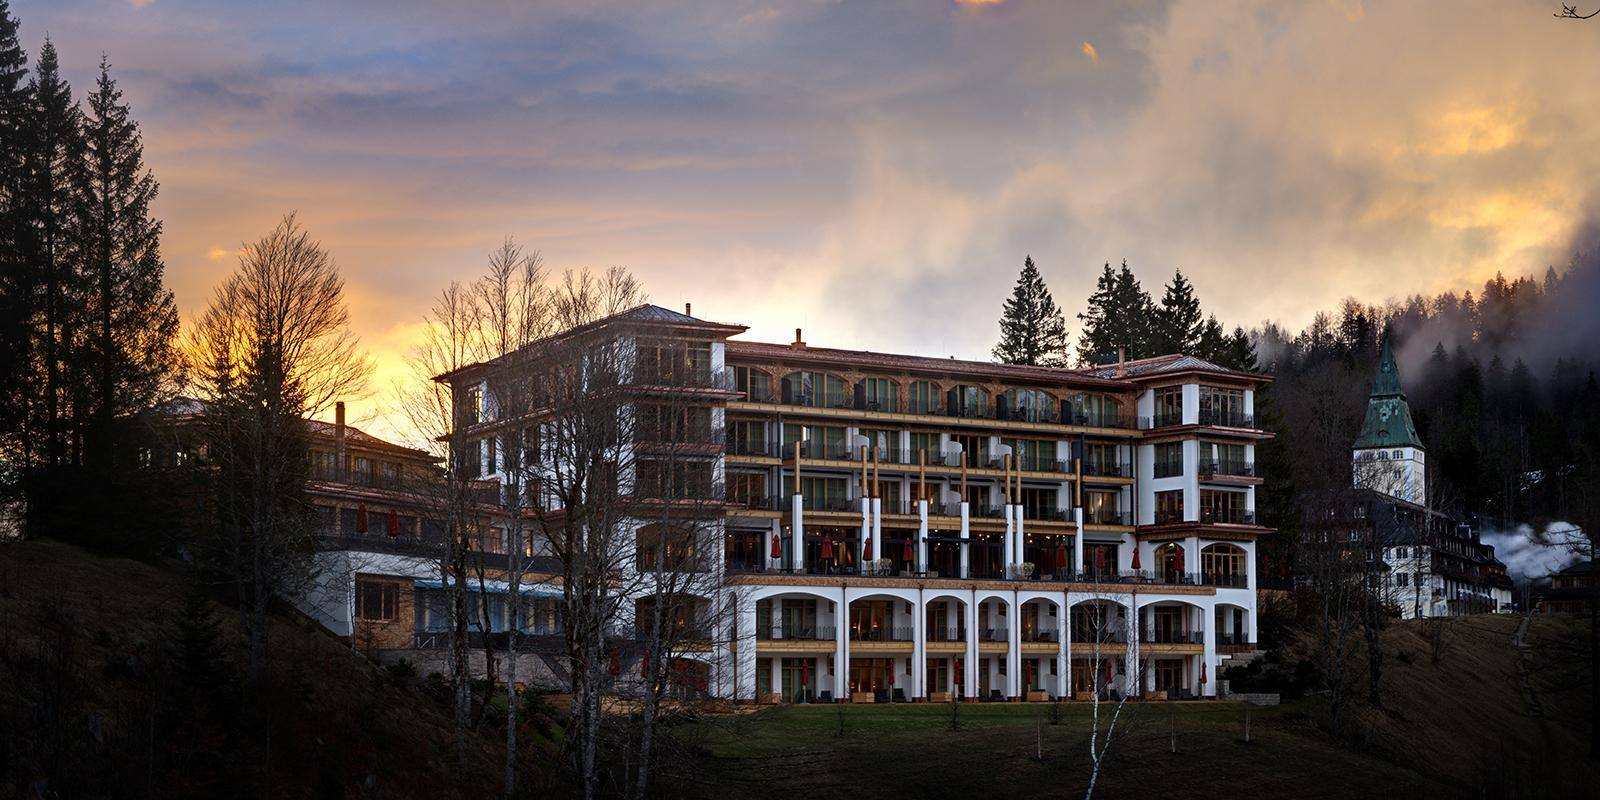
{"points": [[1106, 516], [1090, 634], [1048, 514], [994, 635], [1227, 581], [1226, 469], [947, 634], [1041, 636], [1165, 420], [532, 639], [1224, 418], [882, 634], [793, 633], [1100, 469], [1167, 636], [1227, 516]]}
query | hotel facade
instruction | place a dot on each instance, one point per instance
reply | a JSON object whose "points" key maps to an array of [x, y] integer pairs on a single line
{"points": [[884, 527]]}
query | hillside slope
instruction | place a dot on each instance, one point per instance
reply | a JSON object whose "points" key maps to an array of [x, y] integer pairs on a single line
{"points": [[118, 679]]}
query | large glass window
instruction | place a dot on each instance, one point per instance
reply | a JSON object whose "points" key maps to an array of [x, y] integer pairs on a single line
{"points": [[376, 601], [1101, 459], [673, 362], [923, 399], [927, 443], [1223, 565], [1168, 460], [1100, 508], [969, 401], [748, 437], [1224, 507], [1169, 507], [880, 394], [821, 441], [1030, 405], [1095, 410], [1034, 455], [1222, 406], [756, 385], [1168, 406], [815, 389]]}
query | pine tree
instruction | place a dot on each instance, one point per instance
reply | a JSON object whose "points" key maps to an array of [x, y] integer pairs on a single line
{"points": [[1176, 324], [1238, 352], [131, 316], [1211, 344], [16, 287], [1118, 316], [52, 151], [1032, 330]]}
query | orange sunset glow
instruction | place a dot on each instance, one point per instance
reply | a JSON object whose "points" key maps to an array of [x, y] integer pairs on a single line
{"points": [[790, 164]]}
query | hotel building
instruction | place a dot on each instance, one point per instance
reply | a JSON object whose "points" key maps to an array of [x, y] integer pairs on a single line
{"points": [[895, 527]]}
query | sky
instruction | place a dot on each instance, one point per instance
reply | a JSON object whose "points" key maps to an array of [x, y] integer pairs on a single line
{"points": [[872, 172]]}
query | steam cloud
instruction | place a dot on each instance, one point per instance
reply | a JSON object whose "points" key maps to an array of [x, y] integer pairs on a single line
{"points": [[1533, 555]]}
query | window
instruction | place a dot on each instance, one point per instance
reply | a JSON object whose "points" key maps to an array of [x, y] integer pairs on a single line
{"points": [[756, 385], [674, 480], [1169, 507], [668, 546], [1095, 411], [968, 401], [818, 491], [820, 442], [1168, 406], [1400, 551], [1031, 405], [1100, 508], [1223, 565], [674, 362], [473, 458], [1222, 406], [390, 473], [376, 601], [1402, 579], [1168, 459], [1225, 459], [489, 466], [680, 424], [1038, 503], [816, 389], [1101, 459], [749, 437], [1224, 507], [881, 394], [747, 489], [1397, 454], [887, 443], [926, 443], [361, 469], [1034, 455], [924, 398], [474, 409]]}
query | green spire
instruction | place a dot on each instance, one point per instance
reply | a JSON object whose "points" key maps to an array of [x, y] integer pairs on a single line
{"points": [[1388, 423]]}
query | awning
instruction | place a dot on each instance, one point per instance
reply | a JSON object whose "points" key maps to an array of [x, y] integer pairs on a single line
{"points": [[497, 587]]}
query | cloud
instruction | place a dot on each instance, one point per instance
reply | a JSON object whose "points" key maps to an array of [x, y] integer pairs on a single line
{"points": [[1091, 53]]}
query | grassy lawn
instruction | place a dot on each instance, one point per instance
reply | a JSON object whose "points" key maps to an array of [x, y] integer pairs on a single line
{"points": [[911, 750]]}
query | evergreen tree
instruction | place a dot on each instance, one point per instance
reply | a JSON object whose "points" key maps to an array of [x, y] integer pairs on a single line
{"points": [[131, 318], [1212, 343], [1238, 352], [1176, 325], [1032, 330], [53, 149], [16, 287], [1118, 316]]}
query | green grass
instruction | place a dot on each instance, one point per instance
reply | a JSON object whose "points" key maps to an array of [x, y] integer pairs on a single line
{"points": [[911, 751]]}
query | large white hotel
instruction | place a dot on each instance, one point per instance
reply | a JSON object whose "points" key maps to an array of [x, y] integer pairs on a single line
{"points": [[900, 527]]}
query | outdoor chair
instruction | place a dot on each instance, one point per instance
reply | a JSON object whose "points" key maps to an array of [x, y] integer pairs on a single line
{"points": [[824, 696], [996, 697], [880, 695]]}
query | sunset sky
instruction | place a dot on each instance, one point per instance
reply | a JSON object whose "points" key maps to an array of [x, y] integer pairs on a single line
{"points": [[871, 171]]}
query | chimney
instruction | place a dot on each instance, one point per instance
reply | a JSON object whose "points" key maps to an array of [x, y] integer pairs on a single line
{"points": [[799, 342], [338, 440], [1122, 369], [688, 309]]}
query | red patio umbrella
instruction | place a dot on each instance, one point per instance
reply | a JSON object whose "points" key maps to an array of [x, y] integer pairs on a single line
{"points": [[827, 548], [866, 549], [805, 672], [361, 518], [1202, 672], [1027, 676], [1099, 561], [777, 547], [1110, 676], [1135, 556], [1061, 556], [1177, 561], [958, 672], [394, 522], [908, 555]]}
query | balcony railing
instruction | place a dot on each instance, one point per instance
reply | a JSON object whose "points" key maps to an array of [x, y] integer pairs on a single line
{"points": [[1041, 636], [1161, 636], [802, 633], [994, 635], [882, 634], [1226, 419], [1161, 420], [1048, 514], [534, 638], [1230, 469], [1227, 516], [955, 634], [1235, 581], [1105, 516], [1115, 634], [1101, 469]]}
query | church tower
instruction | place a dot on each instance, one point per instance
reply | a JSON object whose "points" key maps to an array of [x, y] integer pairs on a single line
{"points": [[1388, 454]]}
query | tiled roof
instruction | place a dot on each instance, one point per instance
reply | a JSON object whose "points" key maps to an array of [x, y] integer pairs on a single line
{"points": [[189, 407], [1160, 365], [867, 358]]}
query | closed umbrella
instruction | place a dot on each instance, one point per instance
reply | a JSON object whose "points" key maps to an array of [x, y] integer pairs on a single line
{"points": [[1061, 556], [1202, 673], [827, 548], [908, 555], [1110, 676], [1135, 556], [1099, 561], [866, 549], [1177, 561], [777, 547], [805, 672], [394, 522], [361, 518]]}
